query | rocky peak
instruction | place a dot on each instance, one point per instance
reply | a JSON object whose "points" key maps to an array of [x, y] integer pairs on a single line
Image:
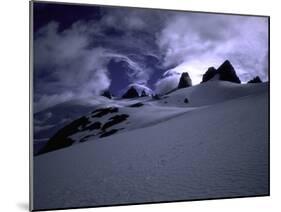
{"points": [[131, 93], [185, 80], [143, 93], [255, 80], [225, 72], [209, 74]]}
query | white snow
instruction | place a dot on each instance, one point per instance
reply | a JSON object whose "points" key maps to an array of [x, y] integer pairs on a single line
{"points": [[214, 146]]}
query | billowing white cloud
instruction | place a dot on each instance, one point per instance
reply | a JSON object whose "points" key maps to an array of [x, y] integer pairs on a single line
{"points": [[72, 69], [66, 62], [196, 41], [170, 78], [167, 84]]}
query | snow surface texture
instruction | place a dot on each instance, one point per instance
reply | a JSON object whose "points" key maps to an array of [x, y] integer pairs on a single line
{"points": [[214, 146]]}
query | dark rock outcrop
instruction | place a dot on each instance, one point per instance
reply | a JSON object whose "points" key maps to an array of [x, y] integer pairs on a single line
{"points": [[94, 126], [86, 124], [225, 72], [115, 120], [143, 94], [108, 133], [104, 111], [107, 94], [210, 73], [131, 93], [61, 138], [186, 100], [255, 80], [139, 104], [185, 81]]}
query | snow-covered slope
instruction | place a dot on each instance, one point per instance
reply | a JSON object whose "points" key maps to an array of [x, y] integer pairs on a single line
{"points": [[115, 116], [50, 120], [213, 146], [211, 92]]}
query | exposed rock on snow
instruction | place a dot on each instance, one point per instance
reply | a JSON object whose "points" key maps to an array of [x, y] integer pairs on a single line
{"points": [[225, 72], [130, 114], [255, 80], [185, 81], [144, 94], [107, 94], [139, 104], [215, 146], [114, 120], [210, 73], [104, 111], [136, 90], [61, 139], [94, 126], [131, 93], [108, 133]]}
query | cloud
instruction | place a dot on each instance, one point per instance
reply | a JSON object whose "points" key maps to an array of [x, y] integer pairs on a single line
{"points": [[133, 21], [170, 78], [137, 72], [73, 62], [46, 101], [65, 68], [167, 84], [196, 41]]}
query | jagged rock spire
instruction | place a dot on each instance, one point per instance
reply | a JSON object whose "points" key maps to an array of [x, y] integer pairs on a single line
{"points": [[131, 93], [225, 72], [255, 80], [185, 80]]}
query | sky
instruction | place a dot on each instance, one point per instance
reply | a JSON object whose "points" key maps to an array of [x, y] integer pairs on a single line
{"points": [[80, 51]]}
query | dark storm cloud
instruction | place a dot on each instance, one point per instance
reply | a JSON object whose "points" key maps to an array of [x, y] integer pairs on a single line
{"points": [[72, 59]]}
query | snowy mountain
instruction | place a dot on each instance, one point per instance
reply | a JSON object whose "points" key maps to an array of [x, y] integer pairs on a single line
{"points": [[203, 141], [137, 90], [125, 115], [185, 80], [225, 72], [50, 120], [255, 80]]}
